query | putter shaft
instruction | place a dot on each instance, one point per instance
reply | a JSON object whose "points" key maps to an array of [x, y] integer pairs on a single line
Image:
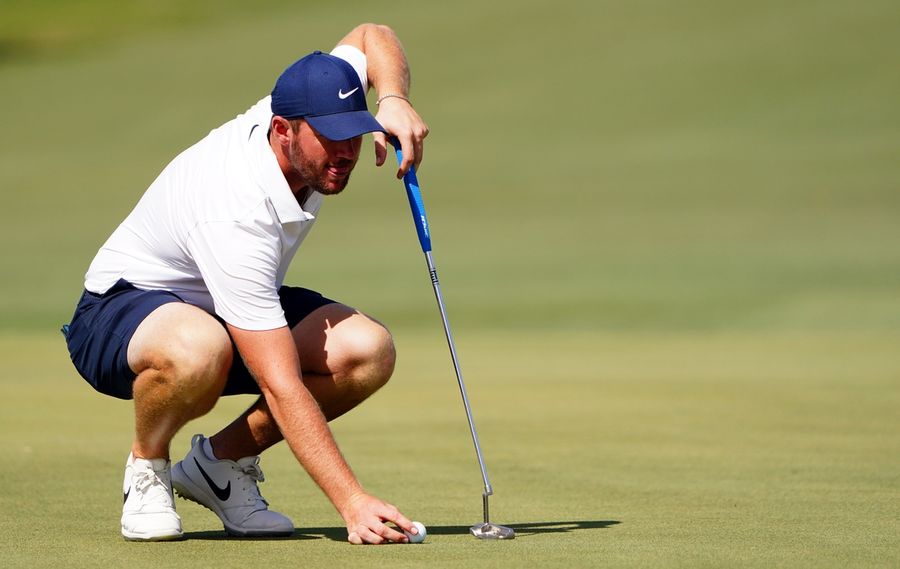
{"points": [[484, 530], [459, 378]]}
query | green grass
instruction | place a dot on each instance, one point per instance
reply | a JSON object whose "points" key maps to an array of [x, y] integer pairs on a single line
{"points": [[622, 449], [31, 31], [668, 238]]}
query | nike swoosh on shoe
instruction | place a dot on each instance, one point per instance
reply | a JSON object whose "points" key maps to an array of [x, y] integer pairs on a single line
{"points": [[221, 493]]}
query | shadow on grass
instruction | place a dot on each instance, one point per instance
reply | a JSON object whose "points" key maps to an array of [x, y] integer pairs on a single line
{"points": [[340, 533], [534, 528]]}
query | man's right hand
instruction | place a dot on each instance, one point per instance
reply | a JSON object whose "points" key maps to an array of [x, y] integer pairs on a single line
{"points": [[366, 515]]}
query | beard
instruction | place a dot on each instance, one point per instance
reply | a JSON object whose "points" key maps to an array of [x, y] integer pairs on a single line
{"points": [[317, 176]]}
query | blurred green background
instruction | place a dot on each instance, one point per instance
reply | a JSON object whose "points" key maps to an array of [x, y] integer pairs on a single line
{"points": [[668, 235]]}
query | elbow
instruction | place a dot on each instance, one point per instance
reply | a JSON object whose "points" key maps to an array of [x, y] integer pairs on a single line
{"points": [[375, 32], [369, 27]]}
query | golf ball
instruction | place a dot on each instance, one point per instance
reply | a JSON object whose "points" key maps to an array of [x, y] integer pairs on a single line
{"points": [[417, 537]]}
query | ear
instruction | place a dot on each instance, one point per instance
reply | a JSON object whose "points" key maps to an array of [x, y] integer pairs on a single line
{"points": [[281, 130]]}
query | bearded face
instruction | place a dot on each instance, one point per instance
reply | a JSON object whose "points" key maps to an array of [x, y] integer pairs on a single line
{"points": [[322, 165]]}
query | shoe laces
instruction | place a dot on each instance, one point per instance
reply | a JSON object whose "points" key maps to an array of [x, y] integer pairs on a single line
{"points": [[251, 469], [149, 484]]}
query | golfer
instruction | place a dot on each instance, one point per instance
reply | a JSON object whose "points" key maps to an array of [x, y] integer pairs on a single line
{"points": [[185, 301]]}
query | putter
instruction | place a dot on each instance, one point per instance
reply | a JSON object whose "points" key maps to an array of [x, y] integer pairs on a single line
{"points": [[485, 530]]}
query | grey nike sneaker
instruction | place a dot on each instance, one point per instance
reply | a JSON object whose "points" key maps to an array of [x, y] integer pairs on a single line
{"points": [[148, 513], [230, 490]]}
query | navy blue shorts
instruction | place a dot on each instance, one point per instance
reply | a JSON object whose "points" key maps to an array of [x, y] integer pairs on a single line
{"points": [[103, 325]]}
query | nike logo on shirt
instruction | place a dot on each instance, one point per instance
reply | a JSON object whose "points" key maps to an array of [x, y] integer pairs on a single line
{"points": [[342, 95], [221, 493]]}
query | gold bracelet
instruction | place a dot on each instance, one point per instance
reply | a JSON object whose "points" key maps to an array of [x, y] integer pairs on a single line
{"points": [[388, 96]]}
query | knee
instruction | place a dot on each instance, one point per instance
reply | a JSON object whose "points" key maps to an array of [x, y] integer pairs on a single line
{"points": [[195, 362], [369, 355], [204, 354]]}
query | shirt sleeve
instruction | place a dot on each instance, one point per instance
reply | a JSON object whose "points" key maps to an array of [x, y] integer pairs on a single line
{"points": [[239, 265], [357, 59]]}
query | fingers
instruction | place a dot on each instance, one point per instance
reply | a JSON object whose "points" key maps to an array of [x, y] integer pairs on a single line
{"points": [[366, 523], [378, 534], [413, 146], [380, 148], [389, 534], [419, 144], [404, 523], [407, 146], [399, 118], [365, 536]]}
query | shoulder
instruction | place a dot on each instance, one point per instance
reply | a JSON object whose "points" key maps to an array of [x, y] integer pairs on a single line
{"points": [[260, 112]]}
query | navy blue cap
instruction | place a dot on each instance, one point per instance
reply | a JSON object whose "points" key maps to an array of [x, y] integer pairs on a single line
{"points": [[325, 91]]}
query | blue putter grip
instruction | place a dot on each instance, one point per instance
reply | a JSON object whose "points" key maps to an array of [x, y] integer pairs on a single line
{"points": [[416, 205]]}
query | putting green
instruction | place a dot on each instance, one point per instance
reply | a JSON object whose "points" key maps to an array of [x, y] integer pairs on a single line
{"points": [[631, 450]]}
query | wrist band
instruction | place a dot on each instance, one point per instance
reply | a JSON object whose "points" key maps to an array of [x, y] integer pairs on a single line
{"points": [[388, 96]]}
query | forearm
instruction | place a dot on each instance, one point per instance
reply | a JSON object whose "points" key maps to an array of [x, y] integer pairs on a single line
{"points": [[271, 357], [310, 439], [388, 68], [388, 72]]}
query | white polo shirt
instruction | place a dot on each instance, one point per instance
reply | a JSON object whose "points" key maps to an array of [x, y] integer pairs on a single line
{"points": [[219, 226]]}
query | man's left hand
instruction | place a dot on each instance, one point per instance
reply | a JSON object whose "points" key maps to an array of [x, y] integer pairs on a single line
{"points": [[401, 120]]}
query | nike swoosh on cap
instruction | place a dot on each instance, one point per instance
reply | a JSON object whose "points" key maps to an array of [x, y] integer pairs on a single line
{"points": [[342, 95], [221, 493]]}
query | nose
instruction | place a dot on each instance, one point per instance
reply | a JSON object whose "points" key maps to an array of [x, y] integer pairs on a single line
{"points": [[346, 149]]}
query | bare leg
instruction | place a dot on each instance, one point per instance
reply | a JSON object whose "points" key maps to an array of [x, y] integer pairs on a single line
{"points": [[181, 356], [345, 357]]}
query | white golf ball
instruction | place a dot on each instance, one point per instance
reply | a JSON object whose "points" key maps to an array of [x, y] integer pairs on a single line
{"points": [[417, 537]]}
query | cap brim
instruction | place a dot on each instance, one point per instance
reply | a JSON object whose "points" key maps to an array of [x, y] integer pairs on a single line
{"points": [[343, 126]]}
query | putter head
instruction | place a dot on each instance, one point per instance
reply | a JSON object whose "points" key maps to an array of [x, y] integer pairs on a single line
{"points": [[492, 531]]}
